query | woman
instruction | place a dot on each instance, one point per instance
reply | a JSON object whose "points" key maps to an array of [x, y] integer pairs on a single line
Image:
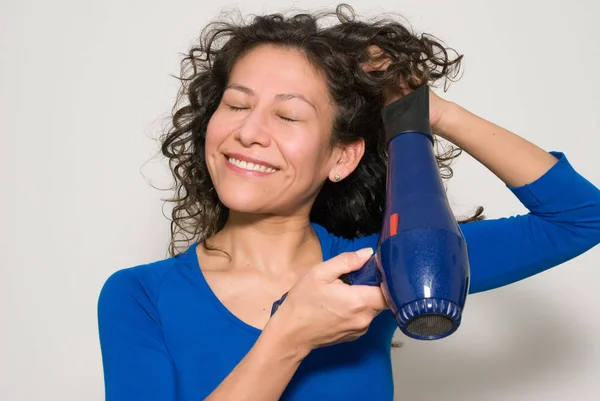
{"points": [[279, 164]]}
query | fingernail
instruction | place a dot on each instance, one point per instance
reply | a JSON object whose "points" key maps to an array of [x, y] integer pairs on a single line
{"points": [[365, 252]]}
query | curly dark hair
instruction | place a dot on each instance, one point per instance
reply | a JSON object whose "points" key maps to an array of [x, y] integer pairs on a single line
{"points": [[352, 207]]}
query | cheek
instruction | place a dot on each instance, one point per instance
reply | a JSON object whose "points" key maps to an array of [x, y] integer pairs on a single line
{"points": [[308, 155], [216, 131], [214, 137]]}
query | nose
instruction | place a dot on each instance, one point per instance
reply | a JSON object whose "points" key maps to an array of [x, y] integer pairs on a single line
{"points": [[254, 129]]}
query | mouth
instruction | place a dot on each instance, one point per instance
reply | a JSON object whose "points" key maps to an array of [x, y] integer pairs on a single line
{"points": [[250, 165]]}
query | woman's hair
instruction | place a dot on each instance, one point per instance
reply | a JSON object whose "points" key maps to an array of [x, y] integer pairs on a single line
{"points": [[352, 207]]}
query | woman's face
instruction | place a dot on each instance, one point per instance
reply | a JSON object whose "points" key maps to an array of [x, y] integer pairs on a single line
{"points": [[267, 144]]}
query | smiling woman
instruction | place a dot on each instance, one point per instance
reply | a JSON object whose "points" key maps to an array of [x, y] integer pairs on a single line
{"points": [[278, 154]]}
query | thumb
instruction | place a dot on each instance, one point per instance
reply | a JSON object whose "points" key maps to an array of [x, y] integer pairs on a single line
{"points": [[344, 263]]}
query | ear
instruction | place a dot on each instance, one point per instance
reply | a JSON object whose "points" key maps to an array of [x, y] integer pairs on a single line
{"points": [[347, 158]]}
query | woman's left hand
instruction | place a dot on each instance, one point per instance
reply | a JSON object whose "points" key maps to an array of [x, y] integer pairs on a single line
{"points": [[438, 107]]}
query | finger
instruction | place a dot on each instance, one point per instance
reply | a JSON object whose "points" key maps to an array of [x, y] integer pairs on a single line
{"points": [[377, 65], [344, 263], [404, 88], [378, 60], [367, 67], [374, 51], [372, 296]]}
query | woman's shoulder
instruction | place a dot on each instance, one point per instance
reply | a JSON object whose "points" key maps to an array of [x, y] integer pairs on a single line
{"points": [[332, 244], [145, 280]]}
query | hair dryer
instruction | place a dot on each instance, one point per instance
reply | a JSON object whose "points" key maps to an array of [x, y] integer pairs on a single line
{"points": [[421, 261]]}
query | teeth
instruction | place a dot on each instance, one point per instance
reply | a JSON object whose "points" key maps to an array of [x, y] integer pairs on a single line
{"points": [[251, 166]]}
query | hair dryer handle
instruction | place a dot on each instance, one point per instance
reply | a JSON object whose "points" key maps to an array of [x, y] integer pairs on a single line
{"points": [[366, 275]]}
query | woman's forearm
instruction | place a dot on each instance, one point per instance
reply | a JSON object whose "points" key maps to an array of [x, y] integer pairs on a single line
{"points": [[513, 159], [265, 371]]}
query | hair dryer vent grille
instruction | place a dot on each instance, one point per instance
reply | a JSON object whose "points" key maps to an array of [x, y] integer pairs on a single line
{"points": [[430, 325], [429, 319]]}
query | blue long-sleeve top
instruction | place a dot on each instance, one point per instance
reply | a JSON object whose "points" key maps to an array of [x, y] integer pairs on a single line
{"points": [[165, 336]]}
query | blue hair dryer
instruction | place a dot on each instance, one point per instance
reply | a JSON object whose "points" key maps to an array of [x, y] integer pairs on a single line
{"points": [[421, 261]]}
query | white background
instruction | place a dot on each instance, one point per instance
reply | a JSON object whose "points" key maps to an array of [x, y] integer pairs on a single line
{"points": [[85, 89]]}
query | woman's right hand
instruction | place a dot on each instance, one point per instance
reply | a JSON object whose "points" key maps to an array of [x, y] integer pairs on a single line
{"points": [[322, 310]]}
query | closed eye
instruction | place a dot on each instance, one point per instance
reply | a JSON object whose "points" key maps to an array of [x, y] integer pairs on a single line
{"points": [[284, 118], [287, 119], [233, 108]]}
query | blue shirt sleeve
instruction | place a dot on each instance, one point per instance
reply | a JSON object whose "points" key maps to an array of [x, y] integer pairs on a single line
{"points": [[563, 222], [137, 365]]}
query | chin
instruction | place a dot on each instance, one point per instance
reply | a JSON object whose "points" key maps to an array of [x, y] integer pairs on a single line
{"points": [[243, 200]]}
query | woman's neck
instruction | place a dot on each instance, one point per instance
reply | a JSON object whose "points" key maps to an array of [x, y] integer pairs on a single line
{"points": [[268, 244]]}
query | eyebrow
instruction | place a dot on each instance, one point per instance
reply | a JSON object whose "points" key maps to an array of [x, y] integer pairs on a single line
{"points": [[279, 96]]}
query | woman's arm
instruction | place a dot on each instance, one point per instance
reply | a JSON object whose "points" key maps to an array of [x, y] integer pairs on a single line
{"points": [[265, 371], [512, 158], [564, 208], [563, 222], [135, 359]]}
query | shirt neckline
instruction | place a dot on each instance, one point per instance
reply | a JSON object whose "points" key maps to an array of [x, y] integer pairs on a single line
{"points": [[200, 280]]}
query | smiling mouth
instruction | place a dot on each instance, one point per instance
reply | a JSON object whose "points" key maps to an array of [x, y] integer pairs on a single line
{"points": [[249, 166]]}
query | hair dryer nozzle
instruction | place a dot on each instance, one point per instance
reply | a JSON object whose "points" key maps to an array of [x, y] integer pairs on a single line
{"points": [[429, 318]]}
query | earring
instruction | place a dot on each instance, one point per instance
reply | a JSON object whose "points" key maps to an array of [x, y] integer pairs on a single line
{"points": [[336, 177]]}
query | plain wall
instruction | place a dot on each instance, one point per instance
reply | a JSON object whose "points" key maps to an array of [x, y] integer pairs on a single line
{"points": [[85, 88]]}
